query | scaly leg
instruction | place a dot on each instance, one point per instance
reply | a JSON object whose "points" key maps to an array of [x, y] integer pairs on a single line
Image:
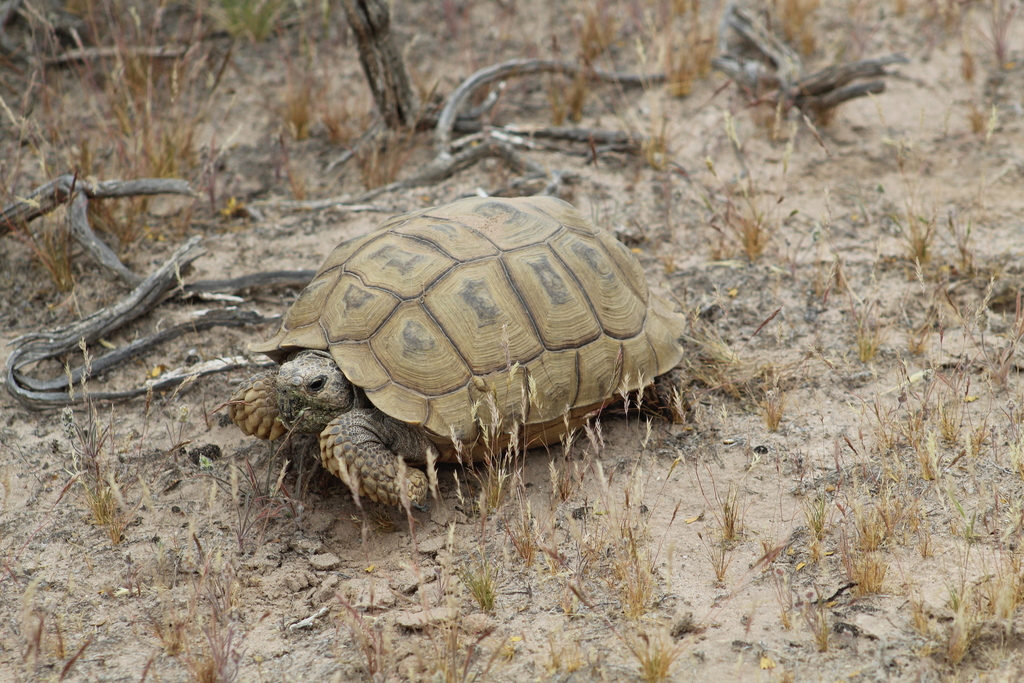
{"points": [[253, 407], [371, 444]]}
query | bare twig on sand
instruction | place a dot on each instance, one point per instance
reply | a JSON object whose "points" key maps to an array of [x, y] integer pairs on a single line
{"points": [[770, 71], [69, 188]]}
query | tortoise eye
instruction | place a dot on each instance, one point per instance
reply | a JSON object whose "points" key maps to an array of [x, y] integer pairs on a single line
{"points": [[318, 384]]}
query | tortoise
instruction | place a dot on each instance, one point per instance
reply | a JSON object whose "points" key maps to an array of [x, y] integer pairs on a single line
{"points": [[444, 330]]}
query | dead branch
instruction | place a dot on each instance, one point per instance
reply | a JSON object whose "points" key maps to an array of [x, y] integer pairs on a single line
{"points": [[751, 38], [53, 392], [46, 198], [78, 223], [69, 188], [833, 99], [838, 76], [382, 62], [770, 71], [522, 67], [276, 278], [37, 346], [493, 141], [584, 135]]}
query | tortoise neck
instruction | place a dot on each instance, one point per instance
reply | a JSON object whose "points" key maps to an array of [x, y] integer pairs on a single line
{"points": [[359, 399]]}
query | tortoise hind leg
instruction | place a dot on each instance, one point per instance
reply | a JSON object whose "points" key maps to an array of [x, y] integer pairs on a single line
{"points": [[253, 407], [368, 445]]}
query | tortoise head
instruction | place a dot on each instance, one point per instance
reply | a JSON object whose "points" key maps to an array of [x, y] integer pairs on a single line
{"points": [[312, 391]]}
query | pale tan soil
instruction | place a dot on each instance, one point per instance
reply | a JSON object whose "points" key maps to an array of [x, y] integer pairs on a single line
{"points": [[180, 571]]}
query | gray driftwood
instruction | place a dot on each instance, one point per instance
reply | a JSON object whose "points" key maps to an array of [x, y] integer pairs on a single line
{"points": [[51, 392], [770, 71], [69, 188]]}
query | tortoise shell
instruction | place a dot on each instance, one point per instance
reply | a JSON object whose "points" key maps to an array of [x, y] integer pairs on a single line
{"points": [[483, 313]]}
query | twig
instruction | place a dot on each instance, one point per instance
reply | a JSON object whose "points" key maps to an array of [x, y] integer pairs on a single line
{"points": [[44, 393], [491, 144], [275, 278], [584, 135], [785, 62], [837, 97], [370, 134], [434, 172], [834, 77], [308, 621]]}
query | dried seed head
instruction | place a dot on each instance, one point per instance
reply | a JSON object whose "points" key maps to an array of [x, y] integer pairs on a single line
{"points": [[183, 414]]}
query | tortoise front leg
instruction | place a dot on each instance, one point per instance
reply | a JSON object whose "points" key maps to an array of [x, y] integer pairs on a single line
{"points": [[370, 445], [253, 407]]}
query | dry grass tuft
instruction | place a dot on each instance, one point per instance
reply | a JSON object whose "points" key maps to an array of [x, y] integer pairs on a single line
{"points": [[868, 330], [381, 158], [687, 44], [103, 482], [478, 576], [254, 20], [815, 612], [656, 654], [51, 248], [795, 17], [371, 638]]}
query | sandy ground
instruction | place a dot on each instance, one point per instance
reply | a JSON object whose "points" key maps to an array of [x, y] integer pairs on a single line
{"points": [[715, 546]]}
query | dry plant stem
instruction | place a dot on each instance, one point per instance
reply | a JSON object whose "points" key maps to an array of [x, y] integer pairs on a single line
{"points": [[57, 387], [382, 61], [51, 392], [786, 62], [70, 188], [446, 164], [584, 135], [45, 393]]}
